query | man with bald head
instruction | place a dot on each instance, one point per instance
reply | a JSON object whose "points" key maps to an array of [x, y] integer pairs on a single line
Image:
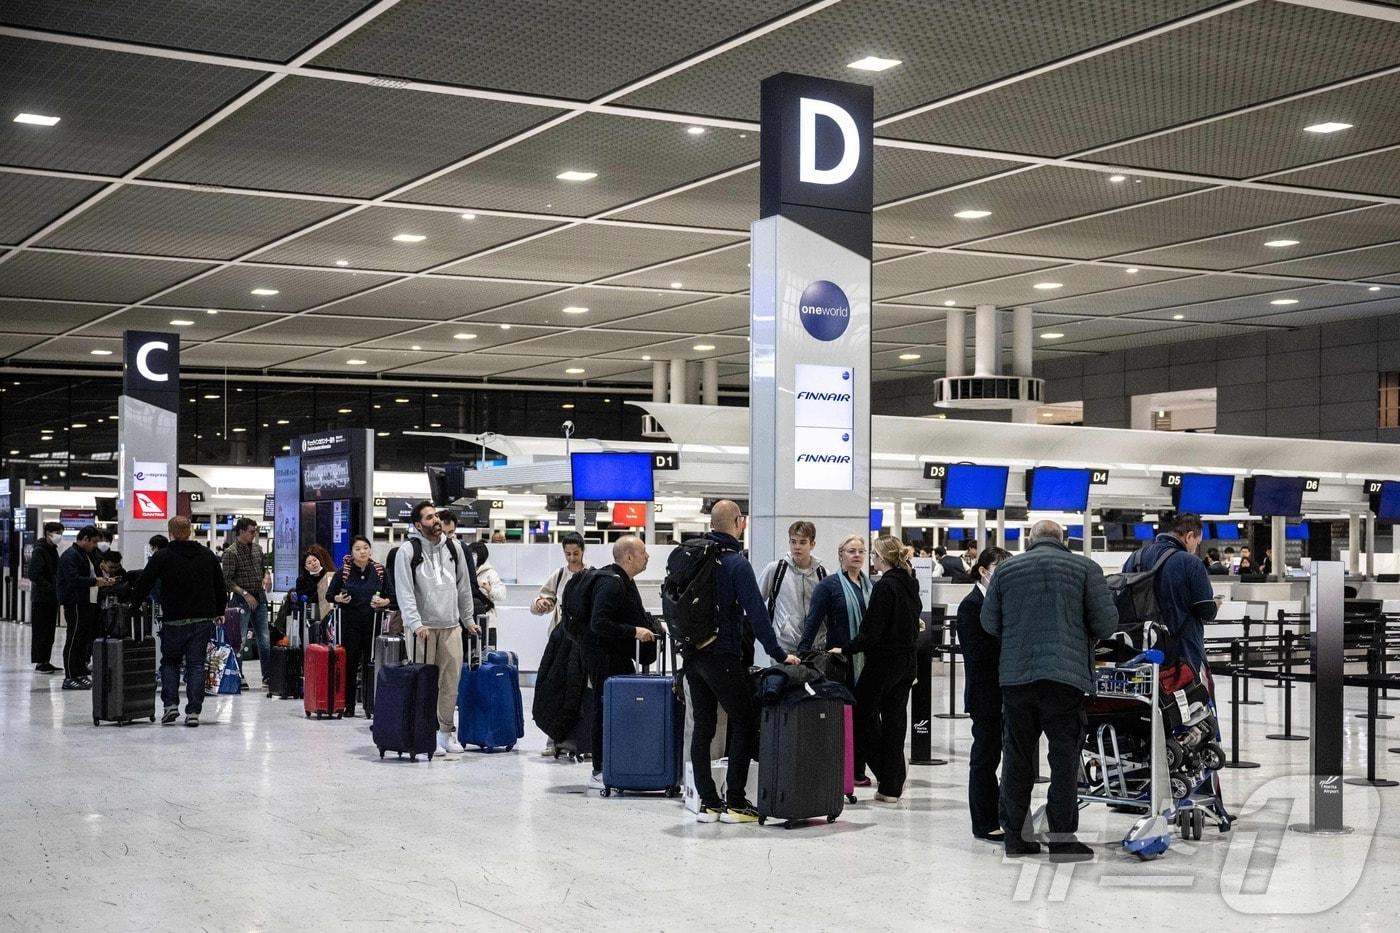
{"points": [[1049, 607], [618, 622]]}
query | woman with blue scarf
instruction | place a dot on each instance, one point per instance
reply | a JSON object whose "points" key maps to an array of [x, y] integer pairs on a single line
{"points": [[834, 617]]}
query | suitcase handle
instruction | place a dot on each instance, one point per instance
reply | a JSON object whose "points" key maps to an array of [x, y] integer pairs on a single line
{"points": [[659, 638]]}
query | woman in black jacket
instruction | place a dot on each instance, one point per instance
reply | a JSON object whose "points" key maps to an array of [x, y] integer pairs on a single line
{"points": [[886, 638], [358, 590], [981, 653]]}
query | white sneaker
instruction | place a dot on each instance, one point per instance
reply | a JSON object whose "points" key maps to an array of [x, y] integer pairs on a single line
{"points": [[449, 744]]}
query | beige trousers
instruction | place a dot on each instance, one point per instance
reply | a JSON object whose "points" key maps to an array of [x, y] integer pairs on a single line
{"points": [[444, 648]]}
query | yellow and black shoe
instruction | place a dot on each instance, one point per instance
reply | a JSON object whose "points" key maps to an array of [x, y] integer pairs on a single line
{"points": [[710, 813], [739, 813]]}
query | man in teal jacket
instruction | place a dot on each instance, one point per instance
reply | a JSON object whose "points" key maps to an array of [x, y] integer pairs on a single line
{"points": [[1048, 606]]}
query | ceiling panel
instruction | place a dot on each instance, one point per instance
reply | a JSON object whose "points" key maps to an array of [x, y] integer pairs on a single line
{"points": [[309, 331], [723, 271], [263, 29], [1022, 290], [11, 343], [1164, 295], [330, 137], [1026, 199], [1256, 306], [76, 350], [31, 201], [114, 110], [941, 270], [712, 316], [49, 317], [1348, 312], [727, 204], [297, 289], [334, 361], [90, 278], [177, 222], [684, 348], [365, 239], [239, 356], [437, 298], [468, 365], [1374, 263], [932, 331], [945, 48], [201, 326], [594, 370], [1175, 220], [603, 304], [588, 252], [442, 338], [1132, 340], [573, 50], [581, 343], [1244, 56], [900, 173], [521, 178], [1372, 174]]}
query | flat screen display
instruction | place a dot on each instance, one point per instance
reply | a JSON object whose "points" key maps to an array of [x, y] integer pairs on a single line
{"points": [[1143, 532], [325, 478], [1113, 531], [1296, 532], [1073, 531], [612, 475], [1227, 531], [971, 486], [1058, 490], [1267, 496], [1388, 510], [1205, 494], [956, 534], [877, 519]]}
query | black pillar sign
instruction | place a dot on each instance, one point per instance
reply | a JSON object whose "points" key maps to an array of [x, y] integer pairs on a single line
{"points": [[151, 368], [1326, 597]]}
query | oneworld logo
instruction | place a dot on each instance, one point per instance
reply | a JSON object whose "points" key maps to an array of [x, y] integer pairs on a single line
{"points": [[824, 396], [823, 458], [824, 309]]}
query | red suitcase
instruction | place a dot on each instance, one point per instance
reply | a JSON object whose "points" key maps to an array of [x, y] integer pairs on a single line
{"points": [[324, 674]]}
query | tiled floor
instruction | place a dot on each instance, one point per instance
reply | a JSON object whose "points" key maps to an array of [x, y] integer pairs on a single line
{"points": [[273, 822]]}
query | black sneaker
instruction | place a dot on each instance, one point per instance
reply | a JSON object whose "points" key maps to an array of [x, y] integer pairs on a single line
{"points": [[710, 813], [1017, 847], [172, 713], [47, 669], [86, 682], [71, 684], [741, 812], [192, 720], [1070, 852], [995, 835]]}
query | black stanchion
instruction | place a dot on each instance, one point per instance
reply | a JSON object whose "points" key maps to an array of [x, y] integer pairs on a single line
{"points": [[1245, 700], [952, 676], [1370, 780], [1375, 664], [921, 707], [1287, 734], [1278, 684], [1235, 760]]}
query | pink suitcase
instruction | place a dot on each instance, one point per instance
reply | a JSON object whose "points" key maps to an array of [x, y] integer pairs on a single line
{"points": [[849, 774]]}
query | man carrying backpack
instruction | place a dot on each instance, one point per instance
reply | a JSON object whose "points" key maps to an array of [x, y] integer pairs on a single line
{"points": [[787, 586], [1185, 599], [433, 587], [717, 671]]}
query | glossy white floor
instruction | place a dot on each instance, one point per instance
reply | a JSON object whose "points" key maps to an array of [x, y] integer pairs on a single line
{"points": [[273, 822]]}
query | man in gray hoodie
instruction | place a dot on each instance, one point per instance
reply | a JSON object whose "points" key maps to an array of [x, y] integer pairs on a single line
{"points": [[432, 581], [787, 587]]}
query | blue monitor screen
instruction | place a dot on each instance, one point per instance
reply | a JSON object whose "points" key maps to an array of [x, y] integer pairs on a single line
{"points": [[1074, 531], [877, 519], [955, 534], [1296, 533], [1013, 534], [1059, 490], [618, 476], [1143, 532], [1205, 494], [970, 486], [1227, 531], [1276, 495], [1389, 508]]}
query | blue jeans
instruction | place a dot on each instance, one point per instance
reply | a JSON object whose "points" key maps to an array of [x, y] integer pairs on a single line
{"points": [[257, 620], [187, 643]]}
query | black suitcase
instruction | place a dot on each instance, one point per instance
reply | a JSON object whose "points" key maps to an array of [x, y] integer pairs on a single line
{"points": [[388, 651], [801, 761], [405, 714], [284, 667], [124, 669]]}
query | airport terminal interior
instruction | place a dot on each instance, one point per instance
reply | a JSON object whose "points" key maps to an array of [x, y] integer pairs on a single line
{"points": [[943, 290]]}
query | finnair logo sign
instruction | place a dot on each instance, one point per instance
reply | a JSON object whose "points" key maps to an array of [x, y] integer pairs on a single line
{"points": [[823, 458], [810, 110], [824, 396]]}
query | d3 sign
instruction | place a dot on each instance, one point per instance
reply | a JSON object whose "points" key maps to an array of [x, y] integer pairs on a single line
{"points": [[808, 110]]}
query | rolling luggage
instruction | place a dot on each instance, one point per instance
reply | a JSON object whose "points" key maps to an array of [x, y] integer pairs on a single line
{"points": [[642, 728], [233, 623], [405, 718], [124, 670], [284, 666], [848, 774], [801, 761], [324, 676], [388, 651], [490, 711]]}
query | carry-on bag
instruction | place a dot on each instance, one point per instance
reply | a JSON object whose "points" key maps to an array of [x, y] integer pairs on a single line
{"points": [[234, 614], [124, 671], [642, 727], [801, 760], [490, 711], [283, 668], [388, 651], [324, 677], [405, 718]]}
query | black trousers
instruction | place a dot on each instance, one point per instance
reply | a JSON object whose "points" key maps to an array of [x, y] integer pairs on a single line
{"points": [[44, 624], [601, 666], [81, 620], [982, 699], [357, 635], [1029, 710], [717, 680], [882, 718]]}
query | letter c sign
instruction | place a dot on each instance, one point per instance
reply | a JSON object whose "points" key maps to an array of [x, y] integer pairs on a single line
{"points": [[809, 109], [144, 368]]}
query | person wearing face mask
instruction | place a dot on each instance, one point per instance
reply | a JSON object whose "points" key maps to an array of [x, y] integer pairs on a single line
{"points": [[315, 579], [43, 597], [78, 584], [981, 653], [358, 590]]}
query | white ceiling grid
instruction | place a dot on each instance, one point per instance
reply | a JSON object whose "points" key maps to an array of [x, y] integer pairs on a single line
{"points": [[1139, 154]]}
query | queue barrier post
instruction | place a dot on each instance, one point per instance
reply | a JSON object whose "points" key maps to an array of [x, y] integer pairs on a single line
{"points": [[1373, 661], [1287, 735], [1235, 677]]}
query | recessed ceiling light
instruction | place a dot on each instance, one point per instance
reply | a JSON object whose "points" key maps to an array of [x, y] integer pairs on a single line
{"points": [[342, 262], [212, 395], [343, 411], [875, 63], [1277, 243], [1048, 286], [355, 362], [381, 433], [266, 292], [435, 424], [100, 352], [1284, 301], [468, 217], [972, 214], [409, 238], [283, 421], [695, 130], [677, 285], [211, 311], [1131, 270], [1178, 317], [505, 327], [239, 430], [910, 356], [36, 119], [180, 322], [1373, 288], [949, 303], [1118, 179], [416, 347], [14, 453], [401, 401], [703, 347], [79, 424], [1051, 336], [464, 336], [646, 359], [575, 371], [46, 431], [1326, 127], [567, 406], [575, 309], [572, 175]]}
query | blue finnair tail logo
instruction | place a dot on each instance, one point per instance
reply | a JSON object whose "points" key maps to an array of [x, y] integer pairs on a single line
{"points": [[825, 310], [823, 458], [824, 396]]}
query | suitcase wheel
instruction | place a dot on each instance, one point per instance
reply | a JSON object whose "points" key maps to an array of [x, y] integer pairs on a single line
{"points": [[308, 715], [413, 757], [850, 798], [673, 792], [153, 718], [762, 820], [340, 715], [606, 792], [400, 756], [831, 818], [381, 753], [96, 721], [430, 756]]}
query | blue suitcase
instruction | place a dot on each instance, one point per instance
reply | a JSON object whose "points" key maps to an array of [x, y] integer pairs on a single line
{"points": [[490, 712], [642, 729], [405, 710]]}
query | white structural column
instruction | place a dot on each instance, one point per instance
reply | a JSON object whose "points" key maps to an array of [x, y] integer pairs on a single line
{"points": [[1001, 530], [692, 382], [709, 382], [658, 380], [1089, 533], [897, 520], [678, 382], [988, 348], [955, 335], [1022, 355], [1370, 545], [981, 529], [1277, 534], [1353, 546]]}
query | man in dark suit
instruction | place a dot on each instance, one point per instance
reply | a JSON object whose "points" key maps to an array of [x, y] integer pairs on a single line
{"points": [[951, 564], [981, 653]]}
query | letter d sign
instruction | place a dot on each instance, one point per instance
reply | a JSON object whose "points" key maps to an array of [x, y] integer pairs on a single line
{"points": [[816, 154], [808, 111]]}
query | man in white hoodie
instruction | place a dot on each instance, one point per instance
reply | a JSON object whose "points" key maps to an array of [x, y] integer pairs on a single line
{"points": [[432, 582], [788, 583]]}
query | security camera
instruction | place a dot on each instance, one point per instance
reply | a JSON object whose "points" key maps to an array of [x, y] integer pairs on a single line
{"points": [[568, 429]]}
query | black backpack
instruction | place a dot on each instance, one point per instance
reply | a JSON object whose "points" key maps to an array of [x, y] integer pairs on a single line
{"points": [[688, 593], [576, 604], [390, 591], [1134, 593]]}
